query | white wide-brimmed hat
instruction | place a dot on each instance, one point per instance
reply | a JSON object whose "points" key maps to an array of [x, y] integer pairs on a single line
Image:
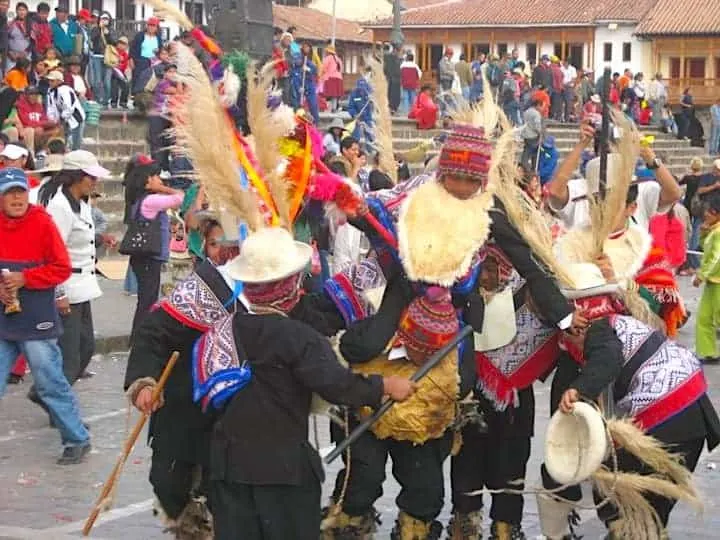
{"points": [[588, 281], [270, 254], [614, 170], [575, 444]]}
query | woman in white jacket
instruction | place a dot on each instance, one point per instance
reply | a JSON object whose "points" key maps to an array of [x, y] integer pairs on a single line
{"points": [[66, 197]]}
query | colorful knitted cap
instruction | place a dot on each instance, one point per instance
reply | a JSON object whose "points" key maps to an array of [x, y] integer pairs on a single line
{"points": [[466, 152], [429, 322]]}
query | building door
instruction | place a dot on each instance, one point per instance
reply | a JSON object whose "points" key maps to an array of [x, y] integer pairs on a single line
{"points": [[480, 48], [436, 54], [194, 10], [125, 10], [674, 68], [575, 56]]}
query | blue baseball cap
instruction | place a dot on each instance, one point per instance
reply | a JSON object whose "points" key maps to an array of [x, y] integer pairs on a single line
{"points": [[12, 177]]}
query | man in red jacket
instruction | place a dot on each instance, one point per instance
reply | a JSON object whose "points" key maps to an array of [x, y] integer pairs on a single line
{"points": [[40, 32], [425, 110], [29, 321], [37, 128]]}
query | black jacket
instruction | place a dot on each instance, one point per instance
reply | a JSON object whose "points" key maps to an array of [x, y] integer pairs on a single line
{"points": [[604, 361], [262, 436], [179, 429]]}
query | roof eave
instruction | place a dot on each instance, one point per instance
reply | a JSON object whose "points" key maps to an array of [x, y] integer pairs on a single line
{"points": [[617, 21], [465, 26], [654, 34]]}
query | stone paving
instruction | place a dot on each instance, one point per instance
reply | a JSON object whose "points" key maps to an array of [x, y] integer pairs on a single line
{"points": [[40, 500]]}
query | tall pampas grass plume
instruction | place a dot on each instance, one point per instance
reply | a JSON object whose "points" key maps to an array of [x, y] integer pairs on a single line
{"points": [[383, 118]]}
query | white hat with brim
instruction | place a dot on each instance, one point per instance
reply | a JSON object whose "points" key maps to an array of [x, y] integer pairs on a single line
{"points": [[82, 160], [55, 75], [53, 163], [13, 151], [269, 255], [576, 444], [588, 281], [595, 98]]}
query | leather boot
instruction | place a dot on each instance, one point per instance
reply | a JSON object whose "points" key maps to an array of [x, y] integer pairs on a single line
{"points": [[465, 526], [409, 528], [500, 530], [341, 526]]}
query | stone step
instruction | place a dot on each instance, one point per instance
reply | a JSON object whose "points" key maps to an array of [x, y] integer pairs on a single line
{"points": [[114, 204], [104, 149]]}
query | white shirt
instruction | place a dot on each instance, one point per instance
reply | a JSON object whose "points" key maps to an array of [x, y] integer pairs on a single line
{"points": [[347, 248], [78, 233], [569, 74], [576, 213]]}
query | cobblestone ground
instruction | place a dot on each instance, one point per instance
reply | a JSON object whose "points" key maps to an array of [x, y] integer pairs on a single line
{"points": [[40, 500]]}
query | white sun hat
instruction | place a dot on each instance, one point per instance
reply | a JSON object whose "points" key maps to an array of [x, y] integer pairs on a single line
{"points": [[270, 254], [575, 444], [614, 170], [588, 281]]}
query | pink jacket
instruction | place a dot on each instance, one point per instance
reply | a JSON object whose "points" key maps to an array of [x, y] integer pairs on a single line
{"points": [[331, 68], [669, 234]]}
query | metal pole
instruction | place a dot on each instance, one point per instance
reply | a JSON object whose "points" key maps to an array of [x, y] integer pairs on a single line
{"points": [[605, 131], [396, 36], [433, 361], [334, 23]]}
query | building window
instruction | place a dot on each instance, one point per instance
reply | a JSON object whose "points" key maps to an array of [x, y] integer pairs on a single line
{"points": [[607, 52], [531, 52], [576, 54], [695, 68], [92, 5], [558, 50], [194, 10], [480, 48], [627, 52], [502, 49], [125, 10]]}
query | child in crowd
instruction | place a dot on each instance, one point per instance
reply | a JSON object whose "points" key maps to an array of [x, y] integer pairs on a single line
{"points": [[120, 85], [76, 80], [18, 77], [709, 274], [51, 59]]}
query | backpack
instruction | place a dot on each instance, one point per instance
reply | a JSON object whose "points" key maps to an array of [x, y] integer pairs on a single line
{"points": [[509, 86], [495, 75]]}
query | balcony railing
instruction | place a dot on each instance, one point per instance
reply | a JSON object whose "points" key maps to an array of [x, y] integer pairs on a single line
{"points": [[703, 91], [129, 28]]}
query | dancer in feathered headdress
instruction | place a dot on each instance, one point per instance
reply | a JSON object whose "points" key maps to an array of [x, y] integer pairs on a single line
{"points": [[438, 227], [645, 377]]}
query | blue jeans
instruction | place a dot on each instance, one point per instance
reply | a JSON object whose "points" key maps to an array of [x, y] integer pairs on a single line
{"points": [[466, 93], [408, 99], [99, 76], [130, 286], [714, 140], [75, 136], [45, 361]]}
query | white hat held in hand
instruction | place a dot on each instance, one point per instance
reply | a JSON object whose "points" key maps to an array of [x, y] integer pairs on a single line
{"points": [[575, 444]]}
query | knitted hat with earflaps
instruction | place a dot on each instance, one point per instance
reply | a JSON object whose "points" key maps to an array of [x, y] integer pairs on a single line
{"points": [[467, 152], [429, 322]]}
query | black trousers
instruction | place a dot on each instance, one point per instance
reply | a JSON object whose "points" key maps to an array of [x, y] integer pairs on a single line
{"points": [[270, 512], [77, 342], [160, 141], [119, 91], [147, 271], [495, 459], [689, 451], [417, 468], [173, 482]]}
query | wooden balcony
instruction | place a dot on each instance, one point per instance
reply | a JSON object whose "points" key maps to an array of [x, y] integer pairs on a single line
{"points": [[704, 91]]}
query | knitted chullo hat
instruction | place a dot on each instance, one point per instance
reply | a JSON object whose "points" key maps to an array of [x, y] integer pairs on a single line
{"points": [[468, 152], [429, 322]]}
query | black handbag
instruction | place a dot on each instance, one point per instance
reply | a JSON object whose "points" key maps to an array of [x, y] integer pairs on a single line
{"points": [[143, 237]]}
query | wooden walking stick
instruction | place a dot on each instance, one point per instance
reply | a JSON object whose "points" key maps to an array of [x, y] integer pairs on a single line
{"points": [[129, 445]]}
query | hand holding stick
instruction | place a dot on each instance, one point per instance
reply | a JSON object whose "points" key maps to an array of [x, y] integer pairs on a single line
{"points": [[129, 445]]}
